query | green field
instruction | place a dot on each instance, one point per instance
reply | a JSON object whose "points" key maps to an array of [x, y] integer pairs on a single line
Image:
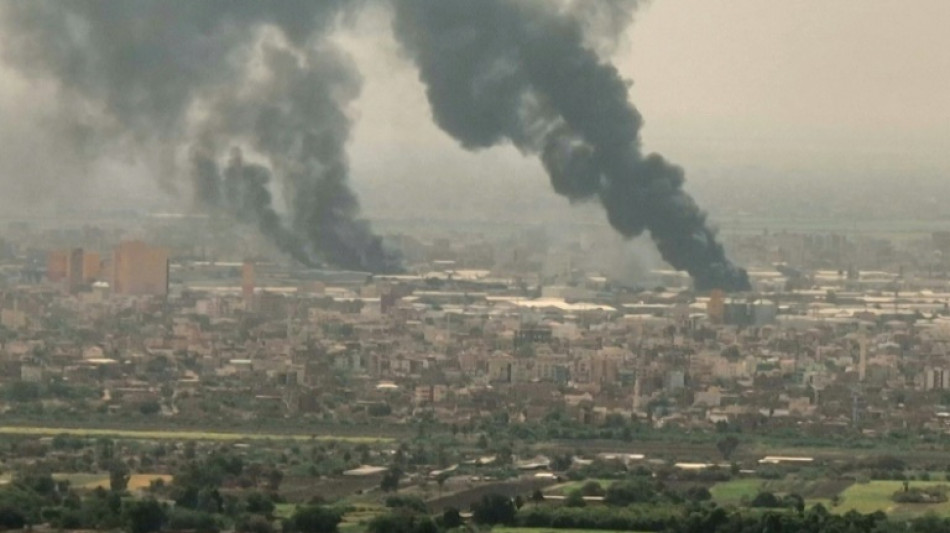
{"points": [[734, 491], [179, 435], [862, 497], [876, 496], [354, 521], [570, 486]]}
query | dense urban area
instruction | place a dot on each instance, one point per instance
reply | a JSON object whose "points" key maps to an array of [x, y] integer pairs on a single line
{"points": [[474, 266], [152, 379]]}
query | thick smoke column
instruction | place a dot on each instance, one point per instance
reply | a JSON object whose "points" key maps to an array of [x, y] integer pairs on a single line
{"points": [[243, 193], [521, 71], [153, 77]]}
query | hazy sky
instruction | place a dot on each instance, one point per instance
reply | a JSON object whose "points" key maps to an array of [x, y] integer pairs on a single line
{"points": [[807, 88]]}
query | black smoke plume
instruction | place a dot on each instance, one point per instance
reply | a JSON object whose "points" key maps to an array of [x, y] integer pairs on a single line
{"points": [[159, 76], [242, 192], [523, 71], [152, 77]]}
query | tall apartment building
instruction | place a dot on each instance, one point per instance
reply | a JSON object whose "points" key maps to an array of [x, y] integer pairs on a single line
{"points": [[139, 269], [74, 269], [91, 267], [57, 262]]}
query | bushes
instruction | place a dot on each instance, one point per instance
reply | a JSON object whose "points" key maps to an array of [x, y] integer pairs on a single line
{"points": [[145, 516], [633, 518], [766, 499], [188, 520], [630, 491], [402, 521], [494, 509], [315, 519], [408, 502]]}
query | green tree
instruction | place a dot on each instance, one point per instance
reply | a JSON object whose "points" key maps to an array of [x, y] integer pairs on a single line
{"points": [[451, 518], [11, 518], [402, 521], [149, 408], [315, 519], [390, 481], [624, 493], [259, 503], [119, 476], [145, 516], [575, 499], [592, 488], [188, 520], [494, 509], [537, 496], [765, 499], [23, 391], [727, 446], [254, 523]]}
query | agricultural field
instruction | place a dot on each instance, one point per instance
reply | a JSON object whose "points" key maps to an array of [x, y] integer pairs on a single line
{"points": [[735, 491], [180, 435], [814, 491], [861, 497], [360, 514], [877, 496]]}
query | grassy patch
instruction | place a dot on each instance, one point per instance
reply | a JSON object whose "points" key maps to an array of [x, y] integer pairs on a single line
{"points": [[876, 496], [284, 510], [570, 486], [734, 491], [814, 491]]}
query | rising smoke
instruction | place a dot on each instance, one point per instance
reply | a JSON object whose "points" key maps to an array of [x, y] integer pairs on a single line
{"points": [[149, 77], [216, 75], [521, 71]]}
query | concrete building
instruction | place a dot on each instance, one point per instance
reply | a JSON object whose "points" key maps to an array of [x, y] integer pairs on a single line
{"points": [[74, 270], [91, 267], [139, 269], [56, 265]]}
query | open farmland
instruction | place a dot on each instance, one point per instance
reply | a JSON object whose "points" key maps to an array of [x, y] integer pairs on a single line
{"points": [[737, 491]]}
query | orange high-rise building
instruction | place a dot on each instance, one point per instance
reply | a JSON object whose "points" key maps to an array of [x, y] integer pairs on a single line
{"points": [[716, 307], [57, 263], [91, 267], [139, 269]]}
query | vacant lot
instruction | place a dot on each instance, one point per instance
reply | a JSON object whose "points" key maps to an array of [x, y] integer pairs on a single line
{"points": [[178, 435]]}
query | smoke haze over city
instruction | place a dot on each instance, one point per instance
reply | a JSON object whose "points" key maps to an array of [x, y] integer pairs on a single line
{"points": [[445, 266], [113, 117]]}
